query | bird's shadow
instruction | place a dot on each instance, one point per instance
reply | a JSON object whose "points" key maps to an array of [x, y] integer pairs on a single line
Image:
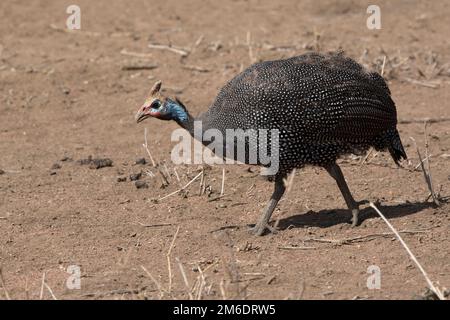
{"points": [[328, 218]]}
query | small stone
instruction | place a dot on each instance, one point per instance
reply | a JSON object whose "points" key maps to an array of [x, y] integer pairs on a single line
{"points": [[56, 166], [141, 185], [1, 171], [135, 176], [141, 161], [52, 173], [100, 163], [86, 161], [121, 179]]}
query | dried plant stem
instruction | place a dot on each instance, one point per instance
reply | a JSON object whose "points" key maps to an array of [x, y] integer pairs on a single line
{"points": [[382, 67], [50, 290], [426, 174], [413, 258], [222, 189], [202, 180], [181, 189], [250, 49], [145, 145], [367, 237], [154, 225], [41, 294], [177, 176], [158, 285], [186, 282], [181, 52], [169, 267], [367, 155], [125, 52]]}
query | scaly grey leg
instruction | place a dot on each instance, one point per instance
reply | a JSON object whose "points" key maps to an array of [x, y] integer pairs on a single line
{"points": [[263, 222], [335, 171]]}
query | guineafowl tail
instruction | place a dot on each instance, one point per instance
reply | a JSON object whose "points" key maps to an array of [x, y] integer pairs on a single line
{"points": [[390, 139]]}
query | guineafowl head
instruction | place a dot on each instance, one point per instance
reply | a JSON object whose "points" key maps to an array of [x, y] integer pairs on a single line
{"points": [[161, 107]]}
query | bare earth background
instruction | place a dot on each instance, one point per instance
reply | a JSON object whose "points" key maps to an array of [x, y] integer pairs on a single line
{"points": [[65, 96]]}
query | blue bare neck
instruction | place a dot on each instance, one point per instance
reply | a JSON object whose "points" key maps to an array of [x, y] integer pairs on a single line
{"points": [[177, 112]]}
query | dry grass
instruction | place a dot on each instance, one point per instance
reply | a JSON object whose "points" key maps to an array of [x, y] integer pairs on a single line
{"points": [[411, 255]]}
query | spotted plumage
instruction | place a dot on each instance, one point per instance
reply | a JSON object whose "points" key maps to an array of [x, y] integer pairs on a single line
{"points": [[324, 106]]}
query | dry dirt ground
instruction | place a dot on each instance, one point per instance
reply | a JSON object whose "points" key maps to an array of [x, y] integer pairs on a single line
{"points": [[67, 95]]}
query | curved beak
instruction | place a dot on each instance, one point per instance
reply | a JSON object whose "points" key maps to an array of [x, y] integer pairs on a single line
{"points": [[141, 115]]}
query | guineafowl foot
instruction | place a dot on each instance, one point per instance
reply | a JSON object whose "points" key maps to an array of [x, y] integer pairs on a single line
{"points": [[263, 222], [355, 220], [335, 171], [260, 230]]}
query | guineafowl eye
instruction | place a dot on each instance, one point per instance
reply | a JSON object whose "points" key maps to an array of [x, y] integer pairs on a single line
{"points": [[156, 104]]}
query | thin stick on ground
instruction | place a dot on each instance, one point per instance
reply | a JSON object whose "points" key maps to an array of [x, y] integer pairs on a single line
{"points": [[181, 52], [296, 248], [167, 171], [428, 157], [177, 176], [202, 283], [41, 294], [186, 282], [145, 145], [2, 282], [367, 237], [165, 181], [426, 174], [181, 189], [158, 285], [289, 182], [169, 267], [222, 189], [367, 155], [413, 258], [250, 49], [50, 290], [202, 180], [382, 67], [154, 225], [222, 290], [125, 52]]}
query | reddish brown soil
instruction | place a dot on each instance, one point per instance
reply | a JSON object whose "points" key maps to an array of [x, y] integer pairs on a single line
{"points": [[65, 94]]}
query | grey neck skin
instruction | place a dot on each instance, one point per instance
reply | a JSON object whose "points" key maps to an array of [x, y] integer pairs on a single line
{"points": [[188, 125]]}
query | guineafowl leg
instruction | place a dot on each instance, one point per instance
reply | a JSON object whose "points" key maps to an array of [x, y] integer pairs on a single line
{"points": [[263, 222], [335, 171]]}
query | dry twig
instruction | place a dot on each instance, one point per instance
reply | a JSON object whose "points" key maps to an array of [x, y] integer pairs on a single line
{"points": [[181, 52], [168, 258], [413, 258], [145, 145], [186, 282], [154, 225], [136, 54], [222, 189], [426, 174], [181, 189]]}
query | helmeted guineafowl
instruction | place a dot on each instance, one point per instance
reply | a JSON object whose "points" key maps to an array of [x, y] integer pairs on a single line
{"points": [[323, 106]]}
